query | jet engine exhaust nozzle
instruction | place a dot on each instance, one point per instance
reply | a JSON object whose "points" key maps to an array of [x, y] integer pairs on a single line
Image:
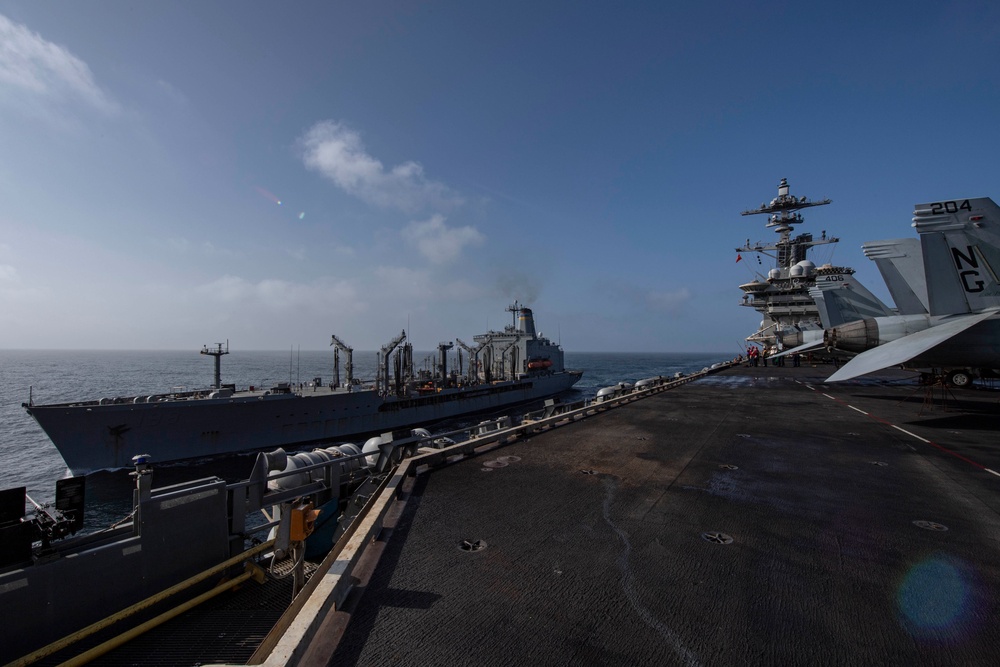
{"points": [[856, 336]]}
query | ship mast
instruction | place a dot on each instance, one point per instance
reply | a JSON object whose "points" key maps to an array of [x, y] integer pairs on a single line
{"points": [[514, 309], [217, 353], [784, 215]]}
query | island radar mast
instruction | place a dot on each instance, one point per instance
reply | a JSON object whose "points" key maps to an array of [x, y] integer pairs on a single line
{"points": [[782, 295]]}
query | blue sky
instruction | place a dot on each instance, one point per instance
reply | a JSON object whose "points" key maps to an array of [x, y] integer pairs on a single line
{"points": [[436, 160]]}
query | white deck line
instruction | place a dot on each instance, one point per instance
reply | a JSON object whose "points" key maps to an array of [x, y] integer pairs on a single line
{"points": [[898, 428]]}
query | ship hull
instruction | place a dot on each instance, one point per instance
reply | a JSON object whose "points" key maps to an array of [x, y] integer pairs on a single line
{"points": [[93, 437]]}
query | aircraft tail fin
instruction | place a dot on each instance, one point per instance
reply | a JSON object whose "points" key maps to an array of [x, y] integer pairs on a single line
{"points": [[901, 263], [960, 242], [841, 298]]}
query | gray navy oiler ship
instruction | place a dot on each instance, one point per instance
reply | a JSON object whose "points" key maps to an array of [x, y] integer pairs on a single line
{"points": [[508, 367]]}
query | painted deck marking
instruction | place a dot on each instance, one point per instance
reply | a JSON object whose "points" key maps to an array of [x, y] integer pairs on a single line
{"points": [[914, 435]]}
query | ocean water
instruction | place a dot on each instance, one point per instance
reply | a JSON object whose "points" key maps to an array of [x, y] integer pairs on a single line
{"points": [[28, 458]]}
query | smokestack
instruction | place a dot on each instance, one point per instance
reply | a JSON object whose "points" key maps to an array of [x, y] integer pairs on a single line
{"points": [[527, 323]]}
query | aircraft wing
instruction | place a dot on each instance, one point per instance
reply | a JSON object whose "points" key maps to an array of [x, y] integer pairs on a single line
{"points": [[903, 349], [805, 347]]}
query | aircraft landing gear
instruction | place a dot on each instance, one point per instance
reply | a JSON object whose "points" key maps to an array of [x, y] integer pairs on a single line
{"points": [[959, 378]]}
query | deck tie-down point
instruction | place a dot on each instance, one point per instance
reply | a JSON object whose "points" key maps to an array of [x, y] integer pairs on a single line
{"points": [[472, 545], [930, 525]]}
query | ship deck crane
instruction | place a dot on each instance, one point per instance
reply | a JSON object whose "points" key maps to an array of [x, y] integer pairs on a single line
{"points": [[349, 351], [512, 347], [473, 352], [382, 381]]}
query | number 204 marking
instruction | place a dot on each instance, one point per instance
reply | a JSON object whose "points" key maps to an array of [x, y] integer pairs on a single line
{"points": [[950, 206]]}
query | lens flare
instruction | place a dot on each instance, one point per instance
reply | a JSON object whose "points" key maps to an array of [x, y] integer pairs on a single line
{"points": [[267, 195], [935, 598]]}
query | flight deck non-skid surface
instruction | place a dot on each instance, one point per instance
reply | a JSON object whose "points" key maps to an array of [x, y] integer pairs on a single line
{"points": [[756, 516]]}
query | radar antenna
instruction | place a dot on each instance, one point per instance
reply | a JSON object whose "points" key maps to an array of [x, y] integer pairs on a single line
{"points": [[784, 215]]}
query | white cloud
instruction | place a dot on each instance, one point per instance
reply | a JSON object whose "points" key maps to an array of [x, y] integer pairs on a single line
{"points": [[16, 294], [47, 71], [421, 287], [438, 242], [171, 93], [9, 277], [281, 295], [663, 301], [405, 283], [668, 301], [337, 153], [226, 289], [184, 246], [462, 289]]}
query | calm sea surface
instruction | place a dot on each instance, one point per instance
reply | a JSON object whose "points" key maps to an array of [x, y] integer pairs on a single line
{"points": [[28, 458]]}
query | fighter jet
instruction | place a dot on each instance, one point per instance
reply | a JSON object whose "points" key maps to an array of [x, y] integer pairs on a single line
{"points": [[839, 298], [960, 328]]}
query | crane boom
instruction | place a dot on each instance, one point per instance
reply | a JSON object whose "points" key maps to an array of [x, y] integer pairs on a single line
{"points": [[383, 362], [349, 351]]}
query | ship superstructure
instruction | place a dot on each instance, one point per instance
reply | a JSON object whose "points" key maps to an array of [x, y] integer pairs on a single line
{"points": [[517, 350], [781, 295], [507, 367]]}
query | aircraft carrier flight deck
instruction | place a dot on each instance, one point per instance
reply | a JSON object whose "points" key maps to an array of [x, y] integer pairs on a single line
{"points": [[756, 516]]}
